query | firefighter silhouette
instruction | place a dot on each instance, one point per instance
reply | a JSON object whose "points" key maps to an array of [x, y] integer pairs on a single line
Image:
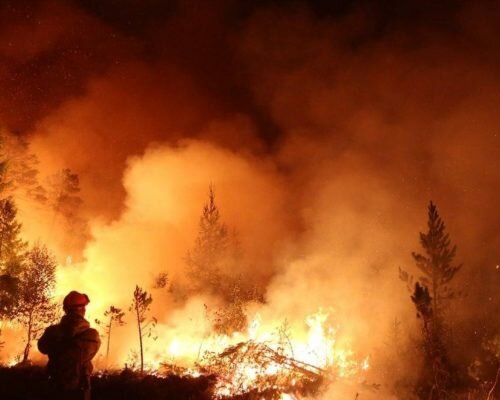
{"points": [[70, 345]]}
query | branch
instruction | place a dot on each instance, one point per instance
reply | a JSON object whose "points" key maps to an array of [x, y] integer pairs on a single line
{"points": [[494, 385]]}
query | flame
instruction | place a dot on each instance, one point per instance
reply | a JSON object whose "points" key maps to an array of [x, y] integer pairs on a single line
{"points": [[316, 351]]}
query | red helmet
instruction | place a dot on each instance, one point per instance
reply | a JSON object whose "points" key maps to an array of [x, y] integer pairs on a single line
{"points": [[75, 299]]}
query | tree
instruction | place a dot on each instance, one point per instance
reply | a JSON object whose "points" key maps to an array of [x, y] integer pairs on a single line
{"points": [[205, 261], [430, 293], [230, 318], [212, 266], [35, 308], [12, 253], [64, 194], [9, 286], [141, 303], [115, 317], [20, 168], [65, 201], [161, 280], [12, 247], [436, 373], [436, 264], [4, 182]]}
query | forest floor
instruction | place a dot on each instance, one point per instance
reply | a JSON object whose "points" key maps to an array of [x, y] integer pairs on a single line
{"points": [[29, 383]]}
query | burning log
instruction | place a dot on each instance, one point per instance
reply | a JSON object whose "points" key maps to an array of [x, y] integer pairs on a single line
{"points": [[256, 367]]}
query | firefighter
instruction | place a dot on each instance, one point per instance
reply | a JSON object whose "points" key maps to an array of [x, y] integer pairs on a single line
{"points": [[70, 345]]}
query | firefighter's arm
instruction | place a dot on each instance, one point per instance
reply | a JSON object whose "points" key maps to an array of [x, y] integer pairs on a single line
{"points": [[89, 343]]}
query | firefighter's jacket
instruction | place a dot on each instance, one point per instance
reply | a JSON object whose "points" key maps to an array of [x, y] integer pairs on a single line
{"points": [[70, 345]]}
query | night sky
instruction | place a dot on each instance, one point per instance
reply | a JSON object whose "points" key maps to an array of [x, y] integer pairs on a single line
{"points": [[50, 49]]}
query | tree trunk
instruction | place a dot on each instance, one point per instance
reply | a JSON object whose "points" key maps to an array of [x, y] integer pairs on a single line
{"points": [[140, 338], [28, 343], [109, 340]]}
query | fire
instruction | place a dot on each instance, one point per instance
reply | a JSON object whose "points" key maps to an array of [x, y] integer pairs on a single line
{"points": [[262, 359], [285, 363], [287, 360]]}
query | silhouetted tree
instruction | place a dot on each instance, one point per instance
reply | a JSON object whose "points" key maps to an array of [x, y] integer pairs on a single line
{"points": [[115, 318], [161, 280], [430, 293], [65, 193], [12, 253], [205, 261], [141, 303], [65, 201], [9, 286], [21, 168], [230, 318], [35, 308], [437, 263], [4, 182], [12, 247], [436, 373], [212, 266]]}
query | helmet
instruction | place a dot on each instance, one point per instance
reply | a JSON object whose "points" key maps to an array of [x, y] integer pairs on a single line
{"points": [[75, 299]]}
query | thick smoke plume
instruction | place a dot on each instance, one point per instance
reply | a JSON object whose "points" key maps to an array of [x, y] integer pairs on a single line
{"points": [[325, 137]]}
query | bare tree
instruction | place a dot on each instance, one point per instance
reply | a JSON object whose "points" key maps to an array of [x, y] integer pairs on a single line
{"points": [[35, 308], [141, 303], [114, 317]]}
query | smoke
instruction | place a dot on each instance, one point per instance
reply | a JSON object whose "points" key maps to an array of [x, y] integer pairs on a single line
{"points": [[324, 136]]}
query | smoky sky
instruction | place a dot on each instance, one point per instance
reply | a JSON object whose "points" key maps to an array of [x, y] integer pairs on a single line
{"points": [[408, 88], [50, 49]]}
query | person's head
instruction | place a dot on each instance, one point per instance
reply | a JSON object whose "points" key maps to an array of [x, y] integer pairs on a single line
{"points": [[75, 303]]}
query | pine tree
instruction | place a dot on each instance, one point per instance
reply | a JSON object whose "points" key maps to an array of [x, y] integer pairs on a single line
{"points": [[212, 268], [206, 260], [66, 203], [65, 193], [436, 264], [20, 168], [12, 247], [12, 253], [429, 297], [35, 308]]}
